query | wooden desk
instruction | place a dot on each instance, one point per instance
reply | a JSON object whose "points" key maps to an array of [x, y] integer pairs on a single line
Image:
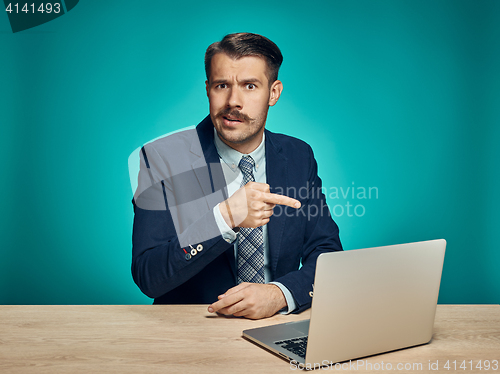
{"points": [[187, 339]]}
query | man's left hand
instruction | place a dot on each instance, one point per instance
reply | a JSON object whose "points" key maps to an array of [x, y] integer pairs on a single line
{"points": [[250, 300]]}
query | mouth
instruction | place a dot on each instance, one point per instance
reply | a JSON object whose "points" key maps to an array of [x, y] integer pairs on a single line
{"points": [[231, 121]]}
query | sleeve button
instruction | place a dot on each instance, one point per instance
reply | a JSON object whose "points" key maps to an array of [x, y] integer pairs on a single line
{"points": [[199, 247], [194, 252], [188, 256]]}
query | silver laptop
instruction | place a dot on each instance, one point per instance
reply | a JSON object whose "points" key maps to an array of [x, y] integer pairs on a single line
{"points": [[365, 302]]}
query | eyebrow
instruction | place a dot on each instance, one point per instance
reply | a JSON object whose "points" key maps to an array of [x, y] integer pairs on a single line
{"points": [[248, 80], [251, 80]]}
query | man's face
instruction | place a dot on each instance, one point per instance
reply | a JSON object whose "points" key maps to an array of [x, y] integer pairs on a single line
{"points": [[240, 96]]}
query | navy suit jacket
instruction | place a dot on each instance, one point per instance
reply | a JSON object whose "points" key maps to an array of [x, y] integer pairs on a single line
{"points": [[160, 266]]}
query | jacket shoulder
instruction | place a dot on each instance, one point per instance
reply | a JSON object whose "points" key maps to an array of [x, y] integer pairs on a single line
{"points": [[175, 141], [288, 144]]}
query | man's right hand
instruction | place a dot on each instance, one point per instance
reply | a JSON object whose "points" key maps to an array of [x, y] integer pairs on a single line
{"points": [[252, 205]]}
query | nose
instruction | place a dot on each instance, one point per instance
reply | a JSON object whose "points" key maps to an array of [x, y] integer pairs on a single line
{"points": [[234, 98]]}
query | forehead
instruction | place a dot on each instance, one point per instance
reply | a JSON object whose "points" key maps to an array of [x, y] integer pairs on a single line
{"points": [[223, 66]]}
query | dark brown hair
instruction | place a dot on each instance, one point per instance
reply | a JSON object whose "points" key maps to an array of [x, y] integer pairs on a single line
{"points": [[244, 44]]}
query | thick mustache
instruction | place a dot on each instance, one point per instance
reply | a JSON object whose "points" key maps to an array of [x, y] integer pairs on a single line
{"points": [[234, 114]]}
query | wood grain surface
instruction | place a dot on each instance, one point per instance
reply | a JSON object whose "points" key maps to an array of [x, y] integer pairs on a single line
{"points": [[188, 339]]}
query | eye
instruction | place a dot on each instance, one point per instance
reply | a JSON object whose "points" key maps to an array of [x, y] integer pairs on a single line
{"points": [[221, 86], [251, 86]]}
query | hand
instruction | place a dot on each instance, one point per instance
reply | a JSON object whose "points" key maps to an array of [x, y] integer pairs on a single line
{"points": [[252, 205], [250, 300]]}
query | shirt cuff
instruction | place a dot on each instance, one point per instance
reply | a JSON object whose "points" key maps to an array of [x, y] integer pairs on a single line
{"points": [[288, 297], [227, 234]]}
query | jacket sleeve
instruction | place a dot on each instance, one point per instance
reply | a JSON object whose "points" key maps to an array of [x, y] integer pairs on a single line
{"points": [[159, 263], [321, 235]]}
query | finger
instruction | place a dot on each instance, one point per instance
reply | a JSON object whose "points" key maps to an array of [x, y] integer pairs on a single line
{"points": [[263, 214], [268, 213], [226, 301], [237, 288], [263, 187], [257, 205], [268, 206], [280, 199], [236, 310], [230, 308]]}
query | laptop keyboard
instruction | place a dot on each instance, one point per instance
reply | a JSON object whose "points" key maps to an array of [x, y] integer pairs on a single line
{"points": [[297, 345]]}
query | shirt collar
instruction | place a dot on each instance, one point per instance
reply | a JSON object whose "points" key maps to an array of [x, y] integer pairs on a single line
{"points": [[232, 157]]}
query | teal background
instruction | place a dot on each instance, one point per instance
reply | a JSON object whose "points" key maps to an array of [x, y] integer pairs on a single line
{"points": [[399, 95]]}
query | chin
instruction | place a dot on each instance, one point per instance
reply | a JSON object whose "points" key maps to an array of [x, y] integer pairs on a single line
{"points": [[231, 137]]}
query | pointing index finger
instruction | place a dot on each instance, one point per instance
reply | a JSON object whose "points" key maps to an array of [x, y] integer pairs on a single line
{"points": [[281, 200]]}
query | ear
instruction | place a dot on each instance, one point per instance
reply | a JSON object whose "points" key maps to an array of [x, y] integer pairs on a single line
{"points": [[275, 92], [207, 87]]}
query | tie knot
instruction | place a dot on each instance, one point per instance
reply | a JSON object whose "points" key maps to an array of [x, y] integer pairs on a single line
{"points": [[246, 165]]}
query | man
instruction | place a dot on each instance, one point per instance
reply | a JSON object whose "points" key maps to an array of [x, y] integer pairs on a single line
{"points": [[212, 222]]}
